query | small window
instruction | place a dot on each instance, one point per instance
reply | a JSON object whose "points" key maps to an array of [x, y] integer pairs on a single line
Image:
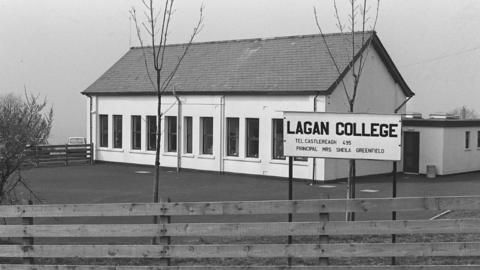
{"points": [[232, 136], [478, 139], [103, 130], [171, 122], [467, 139], [136, 132], [117, 131], [151, 133], [188, 134], [207, 135], [300, 158], [252, 137], [277, 139]]}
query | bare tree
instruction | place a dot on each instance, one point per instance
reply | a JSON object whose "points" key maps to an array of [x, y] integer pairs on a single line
{"points": [[157, 18], [23, 124], [464, 112], [356, 25]]}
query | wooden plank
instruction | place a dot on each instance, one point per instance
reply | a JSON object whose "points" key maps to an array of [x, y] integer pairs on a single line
{"points": [[384, 227], [439, 249], [132, 267], [245, 208]]}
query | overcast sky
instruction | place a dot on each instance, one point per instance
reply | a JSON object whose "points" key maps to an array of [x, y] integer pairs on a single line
{"points": [[57, 48]]}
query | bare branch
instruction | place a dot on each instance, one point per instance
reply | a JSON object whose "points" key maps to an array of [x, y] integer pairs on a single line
{"points": [[330, 52], [142, 47], [196, 30]]}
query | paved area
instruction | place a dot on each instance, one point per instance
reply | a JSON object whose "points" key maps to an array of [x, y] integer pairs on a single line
{"points": [[103, 183]]}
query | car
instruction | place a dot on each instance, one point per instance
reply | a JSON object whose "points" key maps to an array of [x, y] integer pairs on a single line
{"points": [[76, 140]]}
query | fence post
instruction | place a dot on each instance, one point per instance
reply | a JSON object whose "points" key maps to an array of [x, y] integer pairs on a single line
{"points": [[66, 154], [91, 154], [28, 241], [164, 240], [37, 161], [323, 239]]}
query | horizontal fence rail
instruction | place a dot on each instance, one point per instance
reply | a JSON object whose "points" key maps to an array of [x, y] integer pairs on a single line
{"points": [[244, 250], [384, 227], [65, 154], [244, 208], [117, 267]]}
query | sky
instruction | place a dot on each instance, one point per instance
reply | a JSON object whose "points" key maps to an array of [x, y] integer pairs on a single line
{"points": [[57, 48]]}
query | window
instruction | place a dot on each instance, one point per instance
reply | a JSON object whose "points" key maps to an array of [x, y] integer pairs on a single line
{"points": [[252, 137], [188, 134], [300, 158], [232, 137], [103, 130], [117, 131], [467, 139], [151, 133], [136, 132], [207, 135], [277, 134], [171, 122], [478, 139]]}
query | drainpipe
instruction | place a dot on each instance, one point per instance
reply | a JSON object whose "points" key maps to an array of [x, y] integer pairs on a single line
{"points": [[314, 169], [403, 103], [222, 133], [179, 131], [91, 127]]}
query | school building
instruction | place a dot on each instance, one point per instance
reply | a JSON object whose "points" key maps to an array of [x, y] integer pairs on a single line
{"points": [[223, 109]]}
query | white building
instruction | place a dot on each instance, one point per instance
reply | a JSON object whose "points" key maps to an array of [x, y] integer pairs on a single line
{"points": [[229, 99], [451, 145]]}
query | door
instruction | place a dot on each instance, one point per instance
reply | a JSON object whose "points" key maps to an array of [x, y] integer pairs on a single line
{"points": [[411, 153]]}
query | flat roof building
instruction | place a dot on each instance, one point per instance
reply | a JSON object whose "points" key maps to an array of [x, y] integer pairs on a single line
{"points": [[226, 114], [445, 145]]}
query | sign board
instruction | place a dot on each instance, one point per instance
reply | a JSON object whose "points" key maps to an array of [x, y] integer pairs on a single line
{"points": [[342, 135]]}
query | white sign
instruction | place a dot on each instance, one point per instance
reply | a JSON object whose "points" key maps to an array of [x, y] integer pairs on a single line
{"points": [[342, 135]]}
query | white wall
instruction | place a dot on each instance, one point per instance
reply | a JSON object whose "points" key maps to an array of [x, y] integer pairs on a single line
{"points": [[456, 157], [219, 107], [377, 93], [431, 141]]}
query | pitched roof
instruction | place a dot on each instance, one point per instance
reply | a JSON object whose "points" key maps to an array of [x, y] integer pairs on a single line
{"points": [[285, 65]]}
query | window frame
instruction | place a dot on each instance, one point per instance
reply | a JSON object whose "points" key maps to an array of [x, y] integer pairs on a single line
{"points": [[467, 139], [236, 137], [103, 130], [136, 134], [171, 134], [275, 122], [249, 139], [151, 134], [206, 137], [117, 131], [188, 134]]}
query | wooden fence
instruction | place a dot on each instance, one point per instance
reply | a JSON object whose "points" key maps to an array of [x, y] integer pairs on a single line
{"points": [[321, 251], [64, 154]]}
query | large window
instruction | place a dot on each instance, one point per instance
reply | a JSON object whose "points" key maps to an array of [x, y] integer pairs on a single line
{"points": [[117, 131], [151, 132], [277, 134], [207, 135], [171, 122], [188, 134], [467, 139], [252, 137], [232, 137], [136, 132], [103, 130]]}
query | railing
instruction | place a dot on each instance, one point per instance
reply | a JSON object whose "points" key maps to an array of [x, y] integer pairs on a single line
{"points": [[325, 245], [64, 154]]}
